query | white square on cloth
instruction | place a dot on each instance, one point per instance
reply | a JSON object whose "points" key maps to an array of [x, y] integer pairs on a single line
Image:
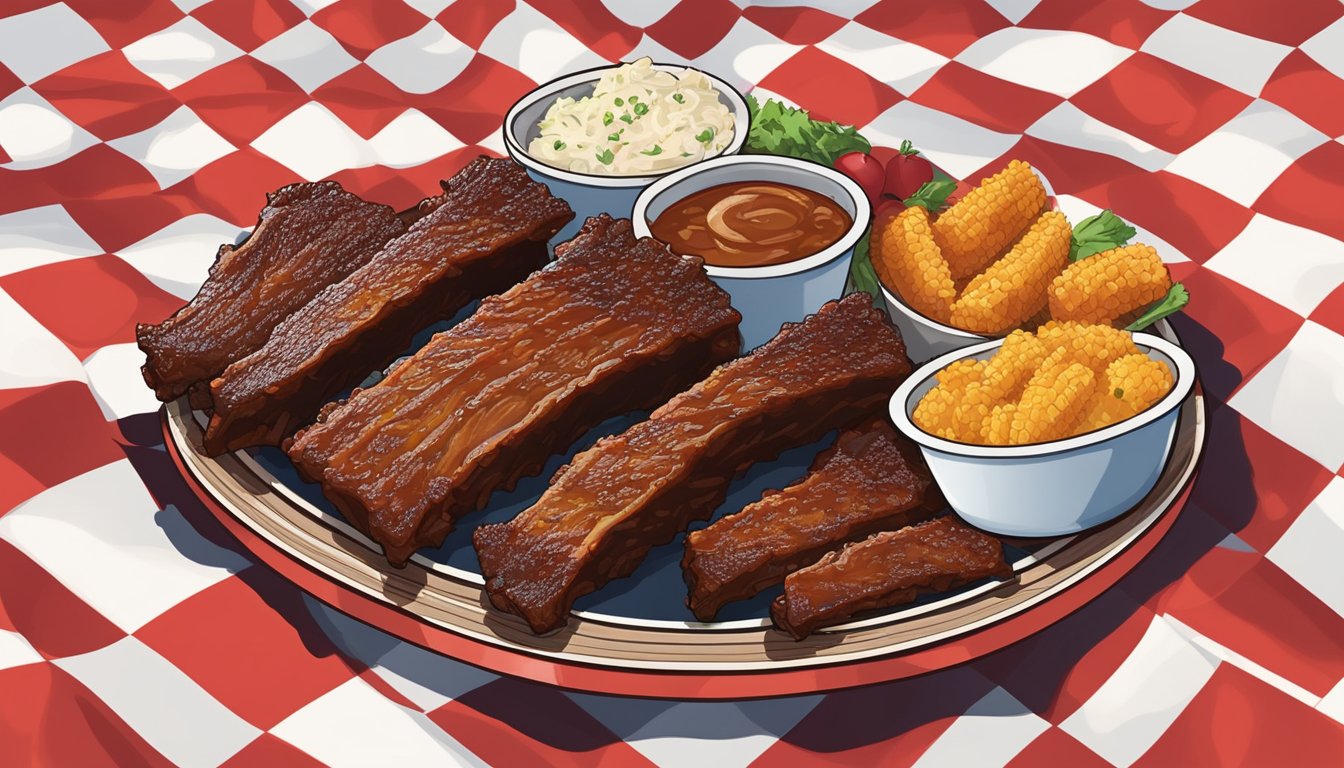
{"points": [[1299, 395], [177, 258], [178, 146], [992, 732], [34, 237], [1320, 528], [307, 54], [336, 728], [1051, 60], [31, 355], [1244, 156], [904, 66], [1231, 58], [35, 134], [531, 43], [180, 52], [314, 143], [102, 535], [1295, 266], [168, 709], [47, 40], [424, 61]]}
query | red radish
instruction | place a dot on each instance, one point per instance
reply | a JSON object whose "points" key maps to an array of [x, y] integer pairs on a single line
{"points": [[865, 170], [906, 172], [887, 206]]}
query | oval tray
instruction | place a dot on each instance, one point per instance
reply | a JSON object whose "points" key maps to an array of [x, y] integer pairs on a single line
{"points": [[443, 609]]}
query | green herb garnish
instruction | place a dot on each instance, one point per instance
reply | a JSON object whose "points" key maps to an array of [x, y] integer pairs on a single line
{"points": [[1099, 233], [705, 136], [657, 150], [932, 195], [626, 118], [559, 145], [1173, 302], [677, 97], [605, 157], [641, 109], [780, 130], [633, 99], [614, 137], [607, 117], [620, 102]]}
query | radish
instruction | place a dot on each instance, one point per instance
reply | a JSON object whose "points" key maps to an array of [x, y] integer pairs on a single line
{"points": [[906, 172], [865, 170]]}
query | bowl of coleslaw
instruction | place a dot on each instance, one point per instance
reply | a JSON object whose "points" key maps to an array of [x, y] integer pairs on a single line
{"points": [[597, 138]]}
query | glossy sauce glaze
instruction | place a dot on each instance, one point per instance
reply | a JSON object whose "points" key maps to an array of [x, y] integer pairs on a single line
{"points": [[751, 224]]}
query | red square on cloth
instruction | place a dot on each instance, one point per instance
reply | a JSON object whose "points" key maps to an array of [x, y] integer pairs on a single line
{"points": [[474, 103], [1308, 90], [946, 28], [249, 23], [9, 82], [117, 222], [98, 172], [90, 303], [241, 98], [1248, 604], [984, 99], [66, 409], [795, 24], [263, 657], [366, 101], [234, 187], [52, 720], [267, 750], [54, 621], [1165, 105], [1289, 24], [1308, 192], [471, 20], [123, 22], [691, 28], [1262, 483], [364, 26], [1330, 312], [829, 88], [1189, 215], [1236, 719], [107, 96], [875, 725], [591, 23], [1055, 747], [1123, 22], [549, 730]]}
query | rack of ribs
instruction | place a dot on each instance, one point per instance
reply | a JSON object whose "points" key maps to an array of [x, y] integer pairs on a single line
{"points": [[488, 232], [308, 236], [612, 326], [630, 492], [886, 569], [871, 479]]}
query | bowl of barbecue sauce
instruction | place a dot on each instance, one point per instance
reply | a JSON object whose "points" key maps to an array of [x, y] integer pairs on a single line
{"points": [[776, 233]]}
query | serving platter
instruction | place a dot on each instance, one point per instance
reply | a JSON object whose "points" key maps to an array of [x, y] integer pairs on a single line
{"points": [[635, 636]]}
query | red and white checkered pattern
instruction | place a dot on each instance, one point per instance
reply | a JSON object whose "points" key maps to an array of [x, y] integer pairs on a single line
{"points": [[136, 136]]}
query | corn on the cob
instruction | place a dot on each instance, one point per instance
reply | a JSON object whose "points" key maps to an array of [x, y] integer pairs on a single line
{"points": [[907, 258], [999, 426], [1096, 346], [934, 412], [1052, 405], [982, 224], [1133, 384], [962, 372], [1108, 285], [1013, 289], [1001, 381]]}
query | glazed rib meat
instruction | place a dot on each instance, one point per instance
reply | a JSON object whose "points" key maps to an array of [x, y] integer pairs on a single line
{"points": [[886, 569], [488, 232], [871, 479], [633, 491], [307, 237], [614, 325]]}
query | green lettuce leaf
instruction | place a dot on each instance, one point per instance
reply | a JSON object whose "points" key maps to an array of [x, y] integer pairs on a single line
{"points": [[1099, 233], [780, 130], [1175, 301], [861, 274], [932, 195]]}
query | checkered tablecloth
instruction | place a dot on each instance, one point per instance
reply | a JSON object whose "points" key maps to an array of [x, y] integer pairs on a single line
{"points": [[137, 135]]}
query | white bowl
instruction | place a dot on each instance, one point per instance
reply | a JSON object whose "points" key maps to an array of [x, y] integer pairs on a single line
{"points": [[589, 194], [1054, 488], [772, 295]]}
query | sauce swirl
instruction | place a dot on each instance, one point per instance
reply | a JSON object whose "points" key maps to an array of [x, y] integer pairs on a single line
{"points": [[751, 224]]}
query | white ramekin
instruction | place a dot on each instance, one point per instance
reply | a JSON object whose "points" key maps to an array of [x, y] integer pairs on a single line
{"points": [[1054, 488], [772, 295], [588, 193]]}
